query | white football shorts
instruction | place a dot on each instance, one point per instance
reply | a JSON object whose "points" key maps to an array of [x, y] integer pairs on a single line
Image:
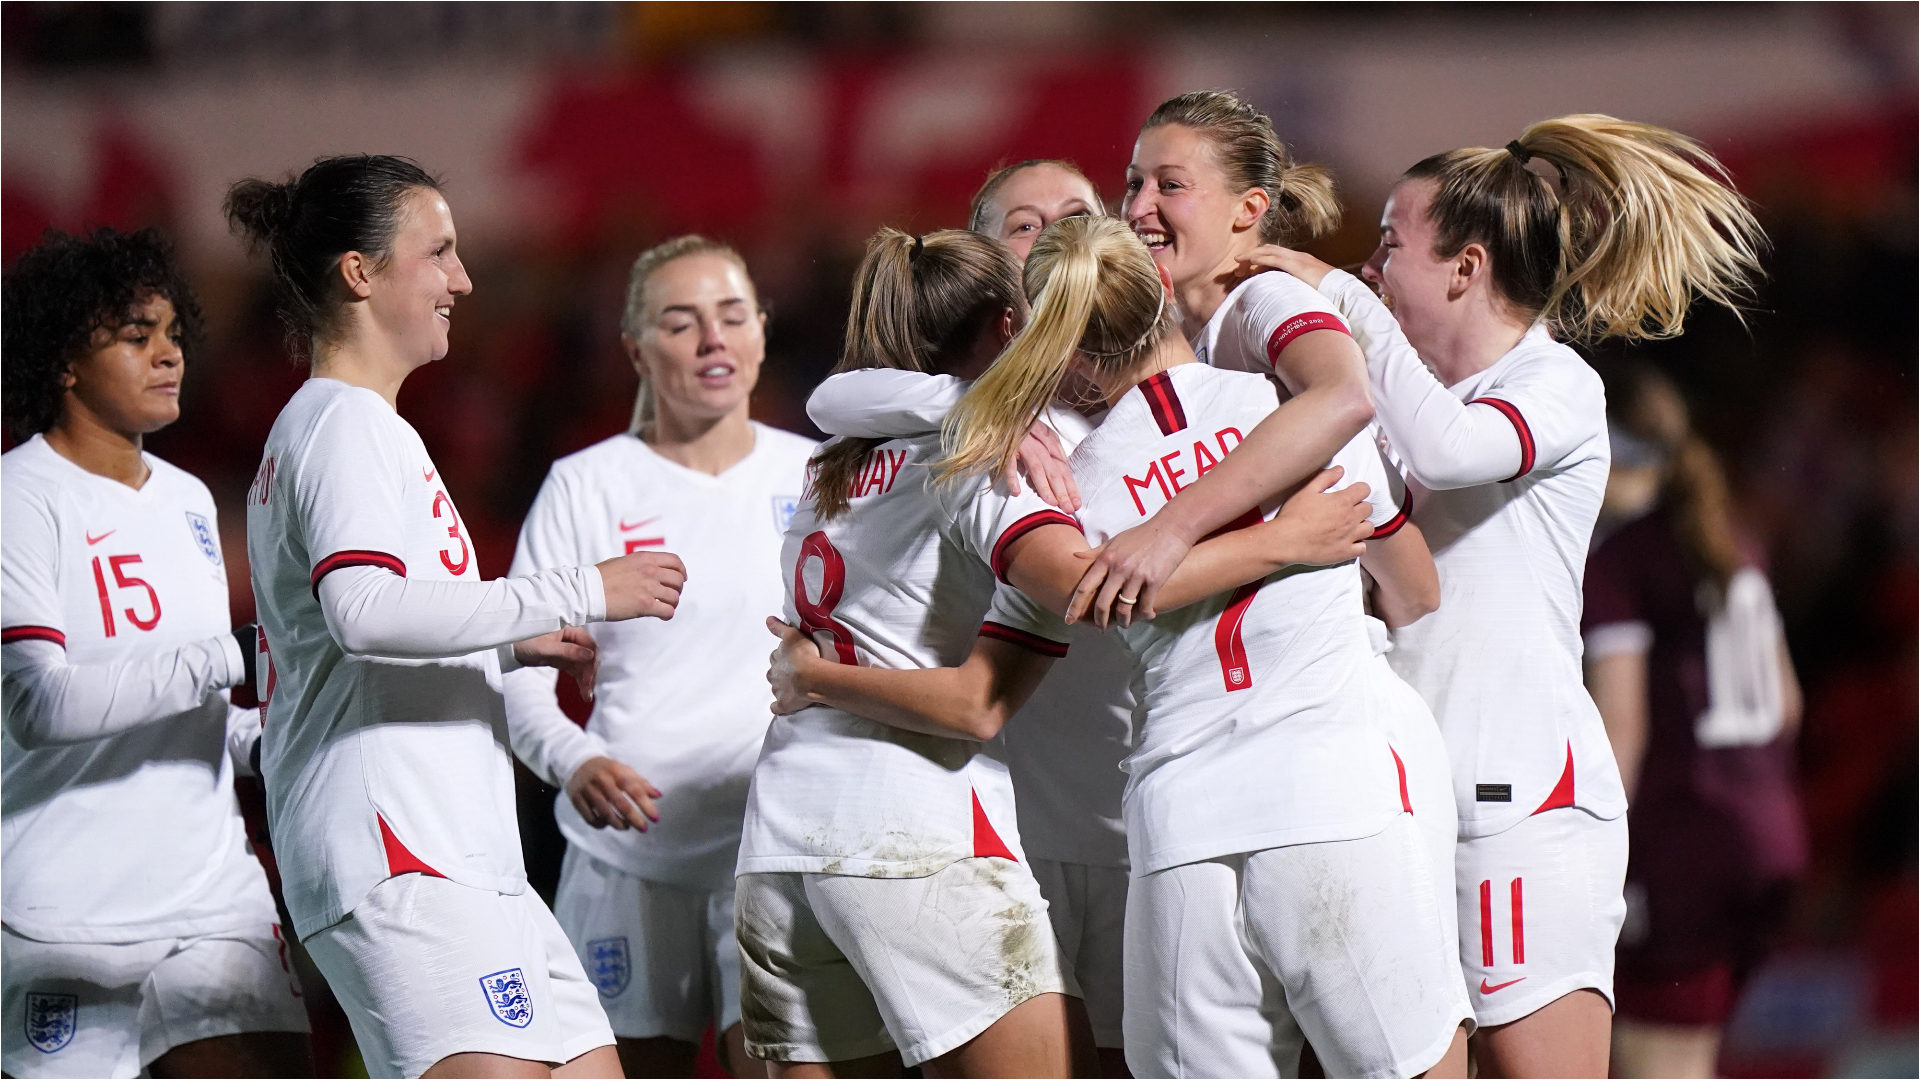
{"points": [[1088, 908], [1541, 906], [834, 968], [1421, 754], [663, 958], [1231, 960], [89, 1009], [426, 967]]}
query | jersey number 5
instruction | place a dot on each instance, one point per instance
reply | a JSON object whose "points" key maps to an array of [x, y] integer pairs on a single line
{"points": [[446, 554], [121, 579], [816, 617]]}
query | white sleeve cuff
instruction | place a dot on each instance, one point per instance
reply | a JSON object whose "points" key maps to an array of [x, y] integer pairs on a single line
{"points": [[508, 661], [236, 662], [568, 759], [1618, 639], [596, 594]]}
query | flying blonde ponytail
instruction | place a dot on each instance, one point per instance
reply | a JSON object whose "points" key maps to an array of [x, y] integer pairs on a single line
{"points": [[1095, 292], [1640, 222]]}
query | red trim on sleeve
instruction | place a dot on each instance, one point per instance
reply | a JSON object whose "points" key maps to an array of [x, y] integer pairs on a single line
{"points": [[1013, 635], [1165, 403], [1405, 803], [1393, 524], [32, 633], [341, 559], [1021, 528], [1284, 334], [986, 842], [1562, 791], [1512, 413], [399, 859]]}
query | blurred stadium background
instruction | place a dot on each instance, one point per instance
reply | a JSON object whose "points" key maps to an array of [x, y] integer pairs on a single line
{"points": [[574, 135]]}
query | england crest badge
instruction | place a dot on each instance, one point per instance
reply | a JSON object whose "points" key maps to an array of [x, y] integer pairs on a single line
{"points": [[202, 530], [508, 997], [609, 965], [51, 1019], [783, 508]]}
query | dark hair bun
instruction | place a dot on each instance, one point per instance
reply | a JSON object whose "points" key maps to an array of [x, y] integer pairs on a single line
{"points": [[261, 209]]}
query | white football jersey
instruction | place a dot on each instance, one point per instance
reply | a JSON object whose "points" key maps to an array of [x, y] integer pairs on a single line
{"points": [[904, 579], [376, 765], [1262, 316], [1066, 744], [1500, 661], [685, 702], [1258, 722], [137, 835]]}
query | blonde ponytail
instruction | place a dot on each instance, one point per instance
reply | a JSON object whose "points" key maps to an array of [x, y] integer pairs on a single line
{"points": [[919, 302], [1653, 222], [1639, 223], [1095, 292]]}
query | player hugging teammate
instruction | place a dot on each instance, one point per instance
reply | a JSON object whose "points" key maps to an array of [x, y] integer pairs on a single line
{"points": [[1178, 661]]}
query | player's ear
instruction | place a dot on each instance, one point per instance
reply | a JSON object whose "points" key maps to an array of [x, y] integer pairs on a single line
{"points": [[356, 273]]}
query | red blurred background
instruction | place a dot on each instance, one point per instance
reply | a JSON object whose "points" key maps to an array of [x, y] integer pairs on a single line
{"points": [[572, 136]]}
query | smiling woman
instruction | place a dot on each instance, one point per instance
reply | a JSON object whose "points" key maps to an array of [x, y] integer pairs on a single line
{"points": [[388, 782]]}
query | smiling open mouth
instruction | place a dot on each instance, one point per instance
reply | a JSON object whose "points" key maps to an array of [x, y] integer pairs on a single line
{"points": [[1153, 238]]}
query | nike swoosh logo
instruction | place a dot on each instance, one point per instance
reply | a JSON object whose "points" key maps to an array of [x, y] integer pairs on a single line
{"points": [[428, 473], [624, 527], [92, 539], [1485, 989]]}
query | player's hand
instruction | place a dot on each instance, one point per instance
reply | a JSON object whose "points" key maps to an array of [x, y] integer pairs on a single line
{"points": [[645, 584], [786, 668], [570, 649], [1126, 573], [1274, 257], [1321, 527], [1043, 462], [609, 792]]}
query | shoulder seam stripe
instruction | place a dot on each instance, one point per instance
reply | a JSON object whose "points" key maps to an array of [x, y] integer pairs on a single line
{"points": [[1165, 403], [340, 560], [1512, 413], [1021, 528], [32, 633], [1015, 636]]}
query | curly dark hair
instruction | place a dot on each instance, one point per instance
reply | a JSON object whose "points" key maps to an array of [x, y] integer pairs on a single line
{"points": [[63, 289]]}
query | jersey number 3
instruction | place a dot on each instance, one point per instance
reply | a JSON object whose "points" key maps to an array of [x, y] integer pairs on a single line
{"points": [[124, 581], [816, 616], [446, 554]]}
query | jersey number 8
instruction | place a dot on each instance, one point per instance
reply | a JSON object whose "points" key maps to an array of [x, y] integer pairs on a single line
{"points": [[816, 617]]}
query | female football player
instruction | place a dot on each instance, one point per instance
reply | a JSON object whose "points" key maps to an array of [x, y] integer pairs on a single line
{"points": [[389, 784], [1584, 227], [648, 899], [140, 937]]}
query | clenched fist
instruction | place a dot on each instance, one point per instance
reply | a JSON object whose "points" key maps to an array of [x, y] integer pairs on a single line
{"points": [[645, 584]]}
